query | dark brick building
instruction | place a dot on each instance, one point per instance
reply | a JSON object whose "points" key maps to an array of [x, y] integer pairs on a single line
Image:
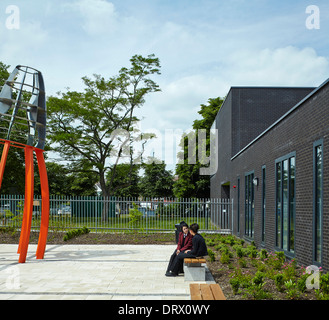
{"points": [[273, 162]]}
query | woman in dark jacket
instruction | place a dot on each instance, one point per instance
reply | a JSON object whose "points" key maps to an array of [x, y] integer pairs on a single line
{"points": [[199, 249], [184, 243]]}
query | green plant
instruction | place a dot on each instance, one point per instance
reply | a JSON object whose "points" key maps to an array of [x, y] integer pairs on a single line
{"points": [[252, 251], [75, 233], [278, 280], [242, 263], [235, 284], [239, 251], [210, 242], [324, 283], [280, 255], [135, 216], [291, 292], [263, 254], [225, 258], [258, 278], [211, 255], [301, 283], [258, 293]]}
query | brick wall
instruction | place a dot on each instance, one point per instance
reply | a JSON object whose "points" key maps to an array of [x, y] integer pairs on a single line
{"points": [[295, 133]]}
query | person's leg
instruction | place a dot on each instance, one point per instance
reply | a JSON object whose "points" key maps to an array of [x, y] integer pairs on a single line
{"points": [[179, 261], [171, 261]]}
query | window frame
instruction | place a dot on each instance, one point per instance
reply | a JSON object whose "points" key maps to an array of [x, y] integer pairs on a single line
{"points": [[263, 203], [251, 215], [279, 243], [317, 144]]}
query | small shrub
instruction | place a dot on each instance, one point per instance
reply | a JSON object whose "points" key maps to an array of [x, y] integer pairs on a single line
{"points": [[210, 242], [301, 283], [235, 284], [291, 292], [278, 280], [258, 278], [280, 255], [211, 255], [258, 293], [263, 254], [75, 233], [225, 258], [239, 251], [242, 263], [324, 283]]}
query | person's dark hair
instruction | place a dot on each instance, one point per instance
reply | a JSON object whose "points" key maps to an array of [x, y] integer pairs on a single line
{"points": [[194, 227]]}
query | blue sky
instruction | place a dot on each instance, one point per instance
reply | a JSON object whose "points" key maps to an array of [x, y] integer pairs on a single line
{"points": [[205, 47]]}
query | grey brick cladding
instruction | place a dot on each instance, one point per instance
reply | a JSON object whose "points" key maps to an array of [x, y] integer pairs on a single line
{"points": [[296, 132]]}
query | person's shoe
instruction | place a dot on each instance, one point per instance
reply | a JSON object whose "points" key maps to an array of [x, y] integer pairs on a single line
{"points": [[170, 274]]}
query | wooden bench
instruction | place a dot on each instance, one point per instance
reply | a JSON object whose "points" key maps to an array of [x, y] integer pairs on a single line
{"points": [[194, 260], [202, 291], [194, 270]]}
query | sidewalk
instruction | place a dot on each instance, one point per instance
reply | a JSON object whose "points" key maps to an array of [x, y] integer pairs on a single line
{"points": [[118, 272]]}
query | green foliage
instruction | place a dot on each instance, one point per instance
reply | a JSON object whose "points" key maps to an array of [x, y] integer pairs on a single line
{"points": [[88, 128], [167, 210], [125, 179], [242, 263], [235, 284], [190, 183], [324, 283], [135, 216], [211, 255], [258, 278], [301, 283], [225, 258], [291, 289], [75, 233], [278, 280], [157, 181], [263, 254]]}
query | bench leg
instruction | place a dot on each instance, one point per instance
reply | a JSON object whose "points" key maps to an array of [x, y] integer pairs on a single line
{"points": [[194, 273]]}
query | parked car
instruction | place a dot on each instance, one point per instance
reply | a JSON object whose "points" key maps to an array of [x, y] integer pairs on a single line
{"points": [[64, 210]]}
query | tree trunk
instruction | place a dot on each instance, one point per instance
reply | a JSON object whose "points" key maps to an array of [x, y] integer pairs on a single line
{"points": [[106, 196]]}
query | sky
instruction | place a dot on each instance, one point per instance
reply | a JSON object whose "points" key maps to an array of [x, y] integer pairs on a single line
{"points": [[204, 47]]}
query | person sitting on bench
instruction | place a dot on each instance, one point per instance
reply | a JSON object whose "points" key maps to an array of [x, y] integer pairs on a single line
{"points": [[184, 243], [199, 249]]}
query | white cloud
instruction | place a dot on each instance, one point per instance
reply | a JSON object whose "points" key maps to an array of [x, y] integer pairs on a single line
{"points": [[98, 15], [24, 45], [289, 66]]}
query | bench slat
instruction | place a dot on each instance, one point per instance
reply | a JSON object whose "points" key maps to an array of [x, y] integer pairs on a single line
{"points": [[217, 291], [206, 292], [195, 291], [192, 260]]}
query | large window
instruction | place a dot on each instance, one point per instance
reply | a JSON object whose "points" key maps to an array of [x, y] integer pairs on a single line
{"points": [[318, 200], [285, 203], [249, 205]]}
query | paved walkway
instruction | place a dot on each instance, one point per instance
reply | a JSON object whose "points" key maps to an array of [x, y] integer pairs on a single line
{"points": [[121, 272]]}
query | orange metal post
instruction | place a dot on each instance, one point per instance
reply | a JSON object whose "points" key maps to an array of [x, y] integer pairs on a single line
{"points": [[45, 204], [28, 205], [4, 159]]}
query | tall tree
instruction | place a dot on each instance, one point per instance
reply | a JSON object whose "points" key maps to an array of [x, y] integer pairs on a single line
{"points": [[85, 127], [125, 183], [156, 181], [190, 183]]}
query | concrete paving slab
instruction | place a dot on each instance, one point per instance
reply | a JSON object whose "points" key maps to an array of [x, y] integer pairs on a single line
{"points": [[91, 272]]}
